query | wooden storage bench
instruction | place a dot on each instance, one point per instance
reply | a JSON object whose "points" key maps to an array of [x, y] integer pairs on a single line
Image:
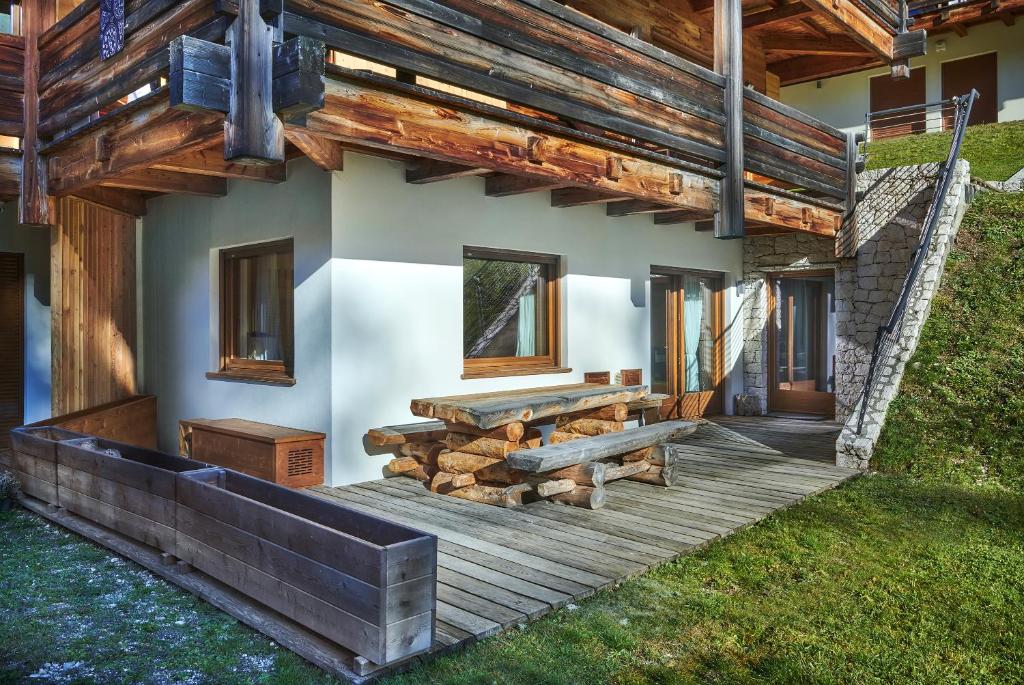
{"points": [[365, 583], [286, 456], [132, 493], [33, 459]]}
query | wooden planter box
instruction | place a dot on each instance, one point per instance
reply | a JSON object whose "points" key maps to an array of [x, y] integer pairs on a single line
{"points": [[33, 459], [132, 494], [286, 456], [362, 582]]}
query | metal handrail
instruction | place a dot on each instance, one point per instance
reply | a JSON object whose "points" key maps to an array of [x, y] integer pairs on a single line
{"points": [[889, 332]]}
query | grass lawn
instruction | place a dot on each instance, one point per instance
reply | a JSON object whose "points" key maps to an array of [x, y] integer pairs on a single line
{"points": [[995, 151], [912, 574]]}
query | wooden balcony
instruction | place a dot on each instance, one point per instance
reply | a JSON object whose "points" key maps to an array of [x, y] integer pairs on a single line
{"points": [[532, 94]]}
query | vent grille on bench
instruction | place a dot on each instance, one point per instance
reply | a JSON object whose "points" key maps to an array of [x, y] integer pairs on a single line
{"points": [[300, 462]]}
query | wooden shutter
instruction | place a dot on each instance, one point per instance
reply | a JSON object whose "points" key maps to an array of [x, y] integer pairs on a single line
{"points": [[12, 344], [979, 72], [887, 93]]}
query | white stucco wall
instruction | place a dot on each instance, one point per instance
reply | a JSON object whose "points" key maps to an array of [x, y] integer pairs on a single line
{"points": [[843, 101], [181, 240], [378, 300], [34, 243], [397, 291]]}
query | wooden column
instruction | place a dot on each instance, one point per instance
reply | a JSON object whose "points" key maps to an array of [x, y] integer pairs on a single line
{"points": [[729, 63], [254, 134], [34, 204]]}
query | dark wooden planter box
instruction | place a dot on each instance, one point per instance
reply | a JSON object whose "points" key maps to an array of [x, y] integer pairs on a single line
{"points": [[364, 583], [33, 459], [132, 494]]}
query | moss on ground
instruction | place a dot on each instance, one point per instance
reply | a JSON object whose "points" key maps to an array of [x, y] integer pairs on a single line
{"points": [[914, 574]]}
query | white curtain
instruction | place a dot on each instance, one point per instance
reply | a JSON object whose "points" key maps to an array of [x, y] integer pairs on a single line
{"points": [[263, 322], [693, 314], [526, 342]]}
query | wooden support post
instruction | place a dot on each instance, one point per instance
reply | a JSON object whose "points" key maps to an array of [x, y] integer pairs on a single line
{"points": [[34, 205], [728, 36], [253, 134]]}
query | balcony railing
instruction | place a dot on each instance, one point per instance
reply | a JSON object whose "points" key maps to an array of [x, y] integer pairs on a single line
{"points": [[535, 64]]}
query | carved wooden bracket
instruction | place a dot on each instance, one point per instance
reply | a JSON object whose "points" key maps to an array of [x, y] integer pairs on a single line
{"points": [[256, 81]]}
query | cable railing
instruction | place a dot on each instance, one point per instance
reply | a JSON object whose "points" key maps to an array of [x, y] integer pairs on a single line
{"points": [[957, 111]]}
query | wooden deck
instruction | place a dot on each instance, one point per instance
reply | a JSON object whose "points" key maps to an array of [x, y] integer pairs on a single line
{"points": [[501, 567]]}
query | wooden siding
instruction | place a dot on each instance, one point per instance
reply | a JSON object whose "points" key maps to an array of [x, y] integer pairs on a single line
{"points": [[93, 306], [12, 344]]}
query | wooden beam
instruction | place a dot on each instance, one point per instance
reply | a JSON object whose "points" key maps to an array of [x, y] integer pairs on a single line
{"points": [[683, 216], [125, 201], [324, 152], [834, 45], [728, 46], [1007, 18], [959, 29], [858, 24], [809, 68], [130, 140], [506, 185], [10, 173], [630, 207], [34, 208], [768, 209], [430, 171], [169, 182], [210, 162], [576, 197], [253, 134], [759, 21]]}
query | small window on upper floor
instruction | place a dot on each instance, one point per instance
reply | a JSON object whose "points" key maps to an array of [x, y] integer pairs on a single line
{"points": [[511, 318], [256, 313]]}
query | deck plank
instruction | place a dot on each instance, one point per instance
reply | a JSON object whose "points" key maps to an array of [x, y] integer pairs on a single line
{"points": [[502, 567]]}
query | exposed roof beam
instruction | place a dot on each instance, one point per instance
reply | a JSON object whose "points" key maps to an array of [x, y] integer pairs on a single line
{"points": [[763, 20], [210, 162], [327, 154], [835, 45], [130, 202], [431, 171], [630, 207], [960, 30], [856, 22], [169, 182], [577, 197], [505, 185], [1007, 18], [679, 217], [806, 68]]}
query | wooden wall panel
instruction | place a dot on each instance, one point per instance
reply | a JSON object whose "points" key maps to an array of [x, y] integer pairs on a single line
{"points": [[92, 306], [12, 344], [674, 26]]}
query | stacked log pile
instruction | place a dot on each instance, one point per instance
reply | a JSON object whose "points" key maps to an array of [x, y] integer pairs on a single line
{"points": [[473, 463]]}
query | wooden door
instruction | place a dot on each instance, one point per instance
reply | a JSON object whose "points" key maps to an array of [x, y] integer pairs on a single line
{"points": [[12, 344], [978, 72], [887, 93], [687, 348], [801, 344]]}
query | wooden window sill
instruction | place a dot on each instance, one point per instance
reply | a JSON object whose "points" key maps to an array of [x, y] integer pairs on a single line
{"points": [[251, 376], [498, 372]]}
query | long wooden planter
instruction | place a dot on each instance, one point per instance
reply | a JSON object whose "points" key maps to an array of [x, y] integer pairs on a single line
{"points": [[132, 493], [33, 459], [363, 582]]}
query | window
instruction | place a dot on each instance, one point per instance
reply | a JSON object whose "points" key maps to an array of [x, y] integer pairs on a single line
{"points": [[510, 313], [256, 320]]}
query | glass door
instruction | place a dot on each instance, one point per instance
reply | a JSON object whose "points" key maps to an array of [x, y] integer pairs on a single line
{"points": [[687, 341], [802, 341]]}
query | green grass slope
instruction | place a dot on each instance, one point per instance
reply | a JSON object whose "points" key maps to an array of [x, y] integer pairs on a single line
{"points": [[914, 574], [995, 151]]}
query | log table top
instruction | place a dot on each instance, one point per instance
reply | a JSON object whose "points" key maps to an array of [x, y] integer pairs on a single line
{"points": [[493, 409]]}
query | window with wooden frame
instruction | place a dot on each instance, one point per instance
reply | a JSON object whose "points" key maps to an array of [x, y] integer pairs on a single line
{"points": [[256, 313], [511, 318]]}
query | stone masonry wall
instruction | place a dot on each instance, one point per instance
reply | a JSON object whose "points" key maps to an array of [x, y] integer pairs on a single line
{"points": [[889, 220]]}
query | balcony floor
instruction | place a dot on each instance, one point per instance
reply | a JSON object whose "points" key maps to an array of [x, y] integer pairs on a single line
{"points": [[498, 568]]}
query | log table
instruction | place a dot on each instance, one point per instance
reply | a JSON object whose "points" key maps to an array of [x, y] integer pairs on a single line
{"points": [[464, 450]]}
